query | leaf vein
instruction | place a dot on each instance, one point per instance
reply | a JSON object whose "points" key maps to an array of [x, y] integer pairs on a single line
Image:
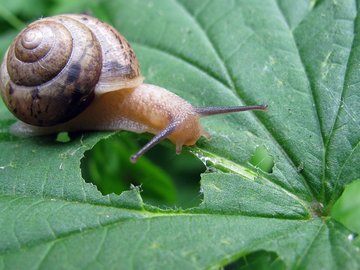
{"points": [[115, 222], [342, 106], [48, 250], [308, 247], [312, 90], [208, 39], [270, 134]]}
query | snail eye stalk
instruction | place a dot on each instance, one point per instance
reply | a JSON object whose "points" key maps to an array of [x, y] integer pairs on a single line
{"points": [[207, 111]]}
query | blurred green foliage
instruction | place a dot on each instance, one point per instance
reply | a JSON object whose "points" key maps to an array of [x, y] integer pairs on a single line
{"points": [[346, 209], [258, 260], [166, 179], [262, 159]]}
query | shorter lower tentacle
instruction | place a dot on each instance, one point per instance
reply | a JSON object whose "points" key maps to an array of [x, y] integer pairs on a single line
{"points": [[155, 140]]}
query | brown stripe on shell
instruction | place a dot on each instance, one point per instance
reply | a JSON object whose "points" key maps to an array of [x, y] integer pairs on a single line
{"points": [[119, 59]]}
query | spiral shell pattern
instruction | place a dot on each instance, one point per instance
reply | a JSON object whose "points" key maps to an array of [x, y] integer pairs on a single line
{"points": [[56, 66]]}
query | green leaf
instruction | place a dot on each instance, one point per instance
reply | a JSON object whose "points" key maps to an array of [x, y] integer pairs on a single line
{"points": [[346, 209], [299, 57]]}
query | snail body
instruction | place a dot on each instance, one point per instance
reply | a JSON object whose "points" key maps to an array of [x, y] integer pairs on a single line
{"points": [[74, 72]]}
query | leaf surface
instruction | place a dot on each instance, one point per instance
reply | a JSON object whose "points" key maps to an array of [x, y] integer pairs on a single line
{"points": [[299, 57]]}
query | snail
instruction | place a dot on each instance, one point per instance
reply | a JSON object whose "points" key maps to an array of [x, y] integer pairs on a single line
{"points": [[74, 72]]}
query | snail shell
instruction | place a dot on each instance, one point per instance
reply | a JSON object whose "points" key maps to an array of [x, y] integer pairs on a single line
{"points": [[56, 66]]}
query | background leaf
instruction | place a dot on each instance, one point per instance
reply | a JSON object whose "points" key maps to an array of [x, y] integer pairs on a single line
{"points": [[300, 57]]}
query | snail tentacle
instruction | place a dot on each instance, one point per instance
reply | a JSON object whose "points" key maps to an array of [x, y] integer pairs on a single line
{"points": [[155, 140]]}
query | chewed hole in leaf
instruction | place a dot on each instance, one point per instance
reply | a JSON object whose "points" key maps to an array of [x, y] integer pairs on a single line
{"points": [[257, 260], [63, 137], [262, 159], [166, 179]]}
